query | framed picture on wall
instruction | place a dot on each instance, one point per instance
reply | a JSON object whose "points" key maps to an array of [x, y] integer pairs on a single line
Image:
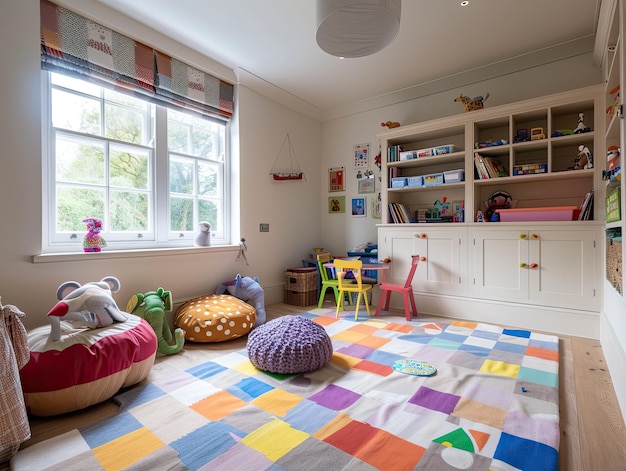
{"points": [[336, 179], [359, 208], [336, 204], [377, 207], [361, 156], [366, 185]]}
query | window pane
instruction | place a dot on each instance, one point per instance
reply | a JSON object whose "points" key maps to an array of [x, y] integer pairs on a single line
{"points": [[75, 204], [207, 211], [126, 100], [76, 113], [181, 214], [207, 179], [202, 143], [177, 136], [129, 167], [129, 211], [75, 84], [125, 125], [181, 175], [79, 161]]}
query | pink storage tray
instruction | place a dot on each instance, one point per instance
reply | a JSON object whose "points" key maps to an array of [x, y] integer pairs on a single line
{"points": [[551, 213]]}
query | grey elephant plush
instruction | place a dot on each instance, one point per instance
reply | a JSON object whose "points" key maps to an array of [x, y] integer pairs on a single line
{"points": [[151, 306], [249, 291], [90, 305]]}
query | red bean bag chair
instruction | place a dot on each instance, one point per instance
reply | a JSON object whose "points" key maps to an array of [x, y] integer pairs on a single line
{"points": [[85, 366]]}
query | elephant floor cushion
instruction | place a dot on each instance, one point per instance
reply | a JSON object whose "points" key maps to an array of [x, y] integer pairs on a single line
{"points": [[288, 345], [85, 366], [215, 318]]}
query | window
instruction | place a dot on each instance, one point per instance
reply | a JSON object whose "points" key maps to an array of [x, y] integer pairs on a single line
{"points": [[150, 173]]}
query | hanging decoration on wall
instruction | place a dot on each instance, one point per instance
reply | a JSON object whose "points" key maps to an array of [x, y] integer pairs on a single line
{"points": [[336, 204], [336, 180], [361, 156], [285, 165], [377, 207]]}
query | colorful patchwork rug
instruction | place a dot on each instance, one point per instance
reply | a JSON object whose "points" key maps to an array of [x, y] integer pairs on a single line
{"points": [[490, 404]]}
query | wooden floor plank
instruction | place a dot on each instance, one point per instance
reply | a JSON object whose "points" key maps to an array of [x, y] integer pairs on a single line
{"points": [[600, 424]]}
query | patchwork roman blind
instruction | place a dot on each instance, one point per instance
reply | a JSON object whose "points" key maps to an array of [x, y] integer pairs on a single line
{"points": [[74, 45]]}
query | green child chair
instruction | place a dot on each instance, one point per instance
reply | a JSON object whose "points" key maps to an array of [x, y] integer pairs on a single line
{"points": [[328, 281]]}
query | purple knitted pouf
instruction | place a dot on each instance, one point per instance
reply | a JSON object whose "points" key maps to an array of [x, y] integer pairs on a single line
{"points": [[289, 344]]}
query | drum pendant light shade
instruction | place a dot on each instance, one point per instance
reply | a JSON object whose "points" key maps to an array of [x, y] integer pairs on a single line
{"points": [[356, 28]]}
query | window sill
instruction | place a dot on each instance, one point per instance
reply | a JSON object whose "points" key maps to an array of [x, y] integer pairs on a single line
{"points": [[129, 254]]}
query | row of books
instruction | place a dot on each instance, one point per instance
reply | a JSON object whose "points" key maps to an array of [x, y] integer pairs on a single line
{"points": [[393, 153], [586, 208], [489, 167], [399, 213]]}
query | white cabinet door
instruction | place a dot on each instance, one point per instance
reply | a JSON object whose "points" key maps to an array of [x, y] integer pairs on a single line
{"points": [[547, 267], [442, 268], [497, 256], [443, 264], [562, 268], [396, 244]]}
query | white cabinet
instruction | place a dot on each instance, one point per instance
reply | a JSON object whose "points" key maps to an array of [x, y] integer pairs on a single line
{"points": [[549, 266], [442, 268]]}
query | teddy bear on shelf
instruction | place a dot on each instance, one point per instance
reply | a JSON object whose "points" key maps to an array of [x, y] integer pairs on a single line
{"points": [[93, 241]]}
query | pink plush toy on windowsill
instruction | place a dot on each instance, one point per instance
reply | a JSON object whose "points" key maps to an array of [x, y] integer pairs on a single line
{"points": [[93, 241]]}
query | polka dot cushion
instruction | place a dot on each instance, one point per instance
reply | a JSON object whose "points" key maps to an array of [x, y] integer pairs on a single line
{"points": [[289, 344], [215, 318]]}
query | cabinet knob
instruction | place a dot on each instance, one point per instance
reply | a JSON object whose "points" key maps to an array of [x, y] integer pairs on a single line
{"points": [[534, 236], [534, 265], [522, 236], [523, 265], [424, 236], [422, 259]]}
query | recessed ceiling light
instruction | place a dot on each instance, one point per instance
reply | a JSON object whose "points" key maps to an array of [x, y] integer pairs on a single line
{"points": [[464, 3]]}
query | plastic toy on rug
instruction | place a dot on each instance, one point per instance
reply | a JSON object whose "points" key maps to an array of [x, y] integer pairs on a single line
{"points": [[152, 306], [247, 289]]}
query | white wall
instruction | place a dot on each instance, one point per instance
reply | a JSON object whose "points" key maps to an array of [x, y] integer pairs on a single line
{"points": [[291, 209]]}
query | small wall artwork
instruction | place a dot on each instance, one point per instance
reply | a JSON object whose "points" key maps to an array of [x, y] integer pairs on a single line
{"points": [[361, 156], [336, 179], [377, 207], [358, 207], [336, 204], [366, 185]]}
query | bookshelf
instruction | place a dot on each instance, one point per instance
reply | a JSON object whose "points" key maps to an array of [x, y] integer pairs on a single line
{"points": [[530, 149]]}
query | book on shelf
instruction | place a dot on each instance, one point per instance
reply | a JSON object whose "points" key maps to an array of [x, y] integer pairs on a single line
{"points": [[393, 153], [399, 213], [480, 166], [489, 167], [586, 208]]}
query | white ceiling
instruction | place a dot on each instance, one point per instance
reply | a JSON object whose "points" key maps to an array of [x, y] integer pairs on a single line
{"points": [[271, 43]]}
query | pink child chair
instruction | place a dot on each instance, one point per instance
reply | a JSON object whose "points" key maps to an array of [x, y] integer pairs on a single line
{"points": [[406, 290]]}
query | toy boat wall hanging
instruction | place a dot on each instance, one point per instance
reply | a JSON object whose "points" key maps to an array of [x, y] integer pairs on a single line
{"points": [[280, 171]]}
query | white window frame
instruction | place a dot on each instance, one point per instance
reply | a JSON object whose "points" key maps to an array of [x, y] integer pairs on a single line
{"points": [[161, 236]]}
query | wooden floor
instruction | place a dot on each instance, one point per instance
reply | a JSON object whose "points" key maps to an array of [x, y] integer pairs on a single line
{"points": [[593, 436]]}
